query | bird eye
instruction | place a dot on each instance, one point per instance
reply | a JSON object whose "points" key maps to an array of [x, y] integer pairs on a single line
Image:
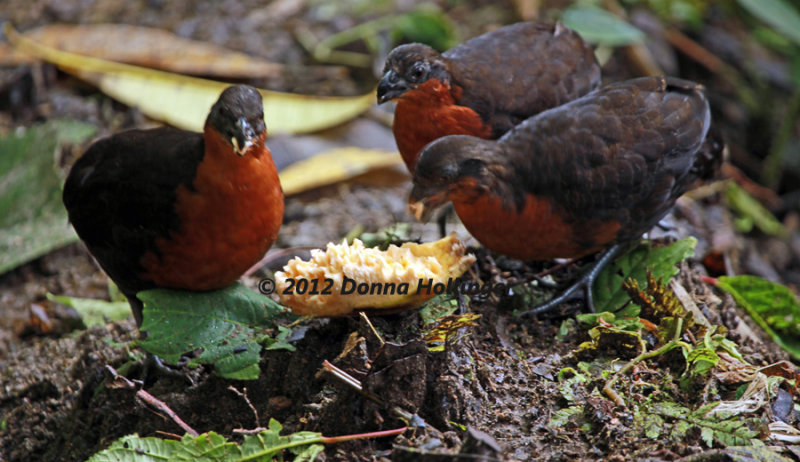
{"points": [[418, 71]]}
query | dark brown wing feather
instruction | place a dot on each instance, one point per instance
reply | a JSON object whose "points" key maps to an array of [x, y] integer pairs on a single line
{"points": [[520, 70], [120, 196], [625, 152]]}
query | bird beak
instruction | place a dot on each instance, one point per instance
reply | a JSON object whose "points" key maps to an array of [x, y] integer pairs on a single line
{"points": [[246, 136], [390, 87], [422, 205]]}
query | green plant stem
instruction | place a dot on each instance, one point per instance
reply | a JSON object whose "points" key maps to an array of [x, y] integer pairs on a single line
{"points": [[311, 439], [608, 389]]}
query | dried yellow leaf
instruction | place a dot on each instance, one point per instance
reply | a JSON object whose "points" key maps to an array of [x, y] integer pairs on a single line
{"points": [[335, 165], [349, 277], [184, 101]]}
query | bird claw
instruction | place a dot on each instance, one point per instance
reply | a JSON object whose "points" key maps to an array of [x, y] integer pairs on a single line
{"points": [[585, 282]]}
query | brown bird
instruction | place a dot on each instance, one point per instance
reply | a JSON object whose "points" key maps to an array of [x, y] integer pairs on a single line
{"points": [[484, 86], [177, 209], [583, 177]]}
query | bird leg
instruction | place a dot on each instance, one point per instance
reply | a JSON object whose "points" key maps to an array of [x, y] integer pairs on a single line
{"points": [[585, 282], [137, 307], [441, 220]]}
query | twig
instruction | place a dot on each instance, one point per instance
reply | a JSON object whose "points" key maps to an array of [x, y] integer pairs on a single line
{"points": [[374, 331], [243, 394], [331, 439], [351, 381], [120, 381], [174, 436], [361, 436], [411, 419]]}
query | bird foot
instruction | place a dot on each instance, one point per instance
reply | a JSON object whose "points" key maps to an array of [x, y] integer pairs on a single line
{"points": [[585, 282]]}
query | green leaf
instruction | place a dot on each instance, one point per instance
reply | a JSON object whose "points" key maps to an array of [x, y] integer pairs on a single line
{"points": [[280, 342], [622, 343], [590, 320], [382, 238], [437, 308], [94, 312], [425, 25], [778, 14], [562, 417], [772, 306], [728, 430], [600, 27], [751, 211], [33, 221], [212, 447], [134, 448], [608, 292], [222, 323], [207, 447], [702, 360], [269, 443], [566, 328]]}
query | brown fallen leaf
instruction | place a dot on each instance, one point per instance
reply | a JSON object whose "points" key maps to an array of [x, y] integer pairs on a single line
{"points": [[156, 48]]}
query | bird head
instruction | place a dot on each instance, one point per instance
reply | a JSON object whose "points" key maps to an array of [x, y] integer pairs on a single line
{"points": [[457, 168], [409, 66], [238, 117]]}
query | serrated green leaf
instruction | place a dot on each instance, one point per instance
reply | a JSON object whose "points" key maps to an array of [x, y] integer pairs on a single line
{"points": [[661, 261], [135, 449], [212, 447], [771, 305], [707, 435], [598, 26], [751, 211], [208, 447], [222, 323], [728, 430], [33, 220], [778, 14], [94, 312], [269, 443]]}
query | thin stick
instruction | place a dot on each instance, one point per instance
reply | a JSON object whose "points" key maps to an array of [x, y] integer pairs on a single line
{"points": [[243, 394], [374, 331], [120, 381], [351, 381]]}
